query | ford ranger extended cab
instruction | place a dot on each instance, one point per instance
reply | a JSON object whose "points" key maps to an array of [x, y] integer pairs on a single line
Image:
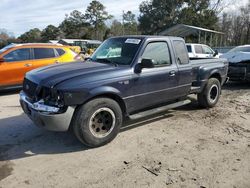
{"points": [[143, 75]]}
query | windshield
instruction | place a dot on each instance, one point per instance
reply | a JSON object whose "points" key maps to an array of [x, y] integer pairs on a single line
{"points": [[241, 49], [6, 48], [120, 51]]}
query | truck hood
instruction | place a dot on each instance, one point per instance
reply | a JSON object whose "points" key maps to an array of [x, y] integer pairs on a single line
{"points": [[80, 72], [236, 57]]}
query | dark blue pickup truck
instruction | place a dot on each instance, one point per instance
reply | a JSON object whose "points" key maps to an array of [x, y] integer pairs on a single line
{"points": [[126, 77]]}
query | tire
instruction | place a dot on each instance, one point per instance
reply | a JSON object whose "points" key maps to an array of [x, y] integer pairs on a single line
{"points": [[210, 95], [97, 122]]}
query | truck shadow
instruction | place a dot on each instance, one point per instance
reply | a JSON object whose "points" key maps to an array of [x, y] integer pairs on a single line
{"points": [[131, 124], [21, 139], [234, 86]]}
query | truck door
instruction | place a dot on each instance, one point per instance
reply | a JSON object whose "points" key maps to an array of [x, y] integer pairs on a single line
{"points": [[158, 84], [16, 63], [184, 67]]}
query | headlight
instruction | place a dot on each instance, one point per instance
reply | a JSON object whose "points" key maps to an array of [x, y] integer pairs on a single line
{"points": [[52, 97]]}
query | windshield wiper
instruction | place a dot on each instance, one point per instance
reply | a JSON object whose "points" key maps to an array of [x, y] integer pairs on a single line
{"points": [[106, 61]]}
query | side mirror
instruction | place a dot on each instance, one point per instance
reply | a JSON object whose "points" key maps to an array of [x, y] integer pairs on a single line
{"points": [[145, 63], [1, 59], [216, 53]]}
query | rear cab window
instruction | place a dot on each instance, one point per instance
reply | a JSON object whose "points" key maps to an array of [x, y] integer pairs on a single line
{"points": [[44, 53], [181, 52]]}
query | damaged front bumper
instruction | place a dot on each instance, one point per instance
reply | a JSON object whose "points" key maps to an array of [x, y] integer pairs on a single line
{"points": [[48, 117]]}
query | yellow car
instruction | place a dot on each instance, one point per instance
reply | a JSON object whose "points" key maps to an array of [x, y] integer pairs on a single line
{"points": [[17, 59]]}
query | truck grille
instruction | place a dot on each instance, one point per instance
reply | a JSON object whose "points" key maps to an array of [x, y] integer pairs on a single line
{"points": [[29, 88]]}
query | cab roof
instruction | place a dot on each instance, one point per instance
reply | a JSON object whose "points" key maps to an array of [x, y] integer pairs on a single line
{"points": [[147, 36]]}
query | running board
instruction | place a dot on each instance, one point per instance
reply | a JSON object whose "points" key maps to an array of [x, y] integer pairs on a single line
{"points": [[159, 109]]}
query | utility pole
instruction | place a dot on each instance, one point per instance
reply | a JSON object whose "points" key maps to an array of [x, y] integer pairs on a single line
{"points": [[123, 22]]}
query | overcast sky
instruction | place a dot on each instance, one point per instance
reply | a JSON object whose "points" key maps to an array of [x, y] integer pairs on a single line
{"points": [[18, 16]]}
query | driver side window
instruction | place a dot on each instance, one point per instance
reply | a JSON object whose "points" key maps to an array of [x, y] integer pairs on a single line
{"points": [[158, 52]]}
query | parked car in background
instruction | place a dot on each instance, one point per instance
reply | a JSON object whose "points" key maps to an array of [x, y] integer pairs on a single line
{"points": [[201, 51], [17, 59], [76, 49], [239, 63]]}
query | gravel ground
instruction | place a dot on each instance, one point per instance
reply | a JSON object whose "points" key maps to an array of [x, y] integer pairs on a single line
{"points": [[186, 147]]}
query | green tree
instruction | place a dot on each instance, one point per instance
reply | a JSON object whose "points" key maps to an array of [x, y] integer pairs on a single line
{"points": [[130, 24], [96, 15], [116, 28], [4, 35], [74, 26], [129, 17], [198, 13], [50, 33], [236, 26], [33, 35], [6, 38], [156, 15]]}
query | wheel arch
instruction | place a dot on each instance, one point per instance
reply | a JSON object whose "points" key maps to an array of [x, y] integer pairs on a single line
{"points": [[107, 92], [112, 96], [216, 75], [104, 94]]}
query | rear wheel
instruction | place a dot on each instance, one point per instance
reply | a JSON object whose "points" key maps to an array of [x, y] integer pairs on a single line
{"points": [[97, 122], [211, 93]]}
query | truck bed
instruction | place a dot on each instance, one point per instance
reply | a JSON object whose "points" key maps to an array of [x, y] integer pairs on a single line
{"points": [[202, 64]]}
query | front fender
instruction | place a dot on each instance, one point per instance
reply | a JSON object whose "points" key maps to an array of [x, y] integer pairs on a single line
{"points": [[104, 90], [80, 97]]}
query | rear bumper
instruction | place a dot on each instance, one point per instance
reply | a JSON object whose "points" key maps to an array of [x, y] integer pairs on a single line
{"points": [[45, 119]]}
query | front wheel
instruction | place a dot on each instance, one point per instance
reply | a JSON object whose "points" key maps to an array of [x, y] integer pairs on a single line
{"points": [[97, 122], [210, 95]]}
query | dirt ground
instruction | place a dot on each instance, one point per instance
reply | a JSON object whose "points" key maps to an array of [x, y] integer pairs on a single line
{"points": [[186, 147]]}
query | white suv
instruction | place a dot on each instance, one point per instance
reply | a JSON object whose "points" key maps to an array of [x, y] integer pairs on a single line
{"points": [[201, 51]]}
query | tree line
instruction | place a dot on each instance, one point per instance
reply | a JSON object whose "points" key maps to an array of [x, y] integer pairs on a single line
{"points": [[154, 17], [236, 26]]}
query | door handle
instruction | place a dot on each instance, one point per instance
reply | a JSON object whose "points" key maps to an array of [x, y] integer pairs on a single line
{"points": [[172, 73], [28, 65], [56, 61]]}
